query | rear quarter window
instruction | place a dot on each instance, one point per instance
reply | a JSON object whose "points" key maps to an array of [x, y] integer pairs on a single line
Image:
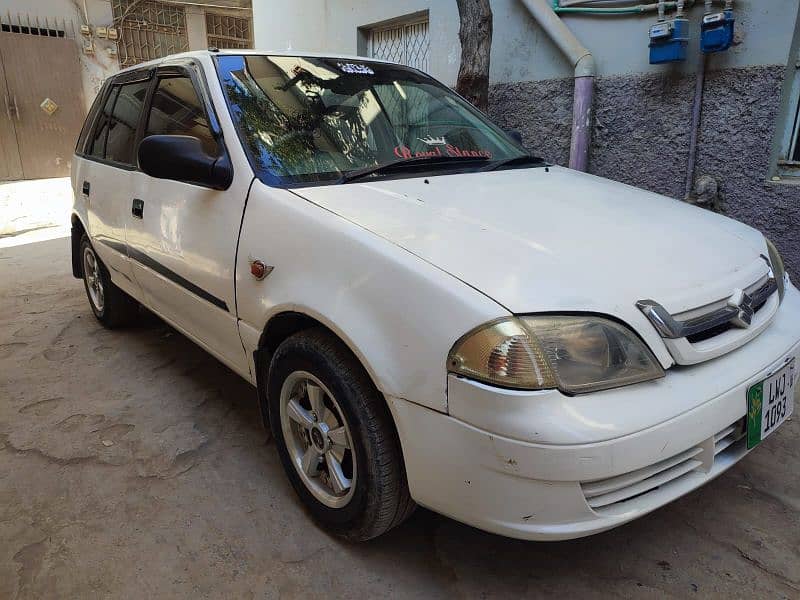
{"points": [[97, 143], [80, 147]]}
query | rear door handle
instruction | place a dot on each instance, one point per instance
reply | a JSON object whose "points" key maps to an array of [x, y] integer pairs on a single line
{"points": [[137, 210], [87, 187]]}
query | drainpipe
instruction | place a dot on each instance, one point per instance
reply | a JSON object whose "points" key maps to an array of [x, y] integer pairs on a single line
{"points": [[697, 111], [583, 63]]}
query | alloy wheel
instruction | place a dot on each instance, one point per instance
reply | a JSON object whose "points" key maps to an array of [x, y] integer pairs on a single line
{"points": [[318, 439], [94, 283]]}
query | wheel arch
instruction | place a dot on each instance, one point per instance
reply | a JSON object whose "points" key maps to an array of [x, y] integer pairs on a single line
{"points": [[289, 321]]}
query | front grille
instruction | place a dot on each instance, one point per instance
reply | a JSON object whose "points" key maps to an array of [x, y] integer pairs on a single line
{"points": [[609, 493], [709, 331], [719, 329]]}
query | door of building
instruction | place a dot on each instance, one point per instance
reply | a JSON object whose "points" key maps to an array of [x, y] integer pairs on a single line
{"points": [[43, 107]]}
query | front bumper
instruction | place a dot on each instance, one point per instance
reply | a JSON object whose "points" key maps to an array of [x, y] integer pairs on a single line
{"points": [[541, 466]]}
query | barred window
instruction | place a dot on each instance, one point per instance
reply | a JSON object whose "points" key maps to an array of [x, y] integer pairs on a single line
{"points": [[405, 42]]}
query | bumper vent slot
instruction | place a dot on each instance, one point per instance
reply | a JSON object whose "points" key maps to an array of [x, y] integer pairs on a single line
{"points": [[729, 436], [627, 486], [622, 488]]}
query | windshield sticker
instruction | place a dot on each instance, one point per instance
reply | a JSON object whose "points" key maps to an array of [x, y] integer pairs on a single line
{"points": [[446, 150], [433, 141], [355, 69]]}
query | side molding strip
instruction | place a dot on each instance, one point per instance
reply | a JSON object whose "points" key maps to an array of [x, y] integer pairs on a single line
{"points": [[156, 266]]}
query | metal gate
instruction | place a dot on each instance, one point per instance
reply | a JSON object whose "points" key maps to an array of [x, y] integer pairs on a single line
{"points": [[42, 98], [225, 31], [405, 43], [149, 29]]}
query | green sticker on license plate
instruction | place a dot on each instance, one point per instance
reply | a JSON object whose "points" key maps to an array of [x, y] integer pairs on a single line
{"points": [[769, 404]]}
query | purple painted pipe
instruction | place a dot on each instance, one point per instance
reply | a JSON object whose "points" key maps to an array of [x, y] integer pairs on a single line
{"points": [[581, 123], [583, 63]]}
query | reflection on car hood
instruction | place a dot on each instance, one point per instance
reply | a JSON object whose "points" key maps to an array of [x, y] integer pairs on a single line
{"points": [[556, 240]]}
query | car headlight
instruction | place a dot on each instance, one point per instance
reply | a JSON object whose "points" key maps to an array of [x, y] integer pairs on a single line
{"points": [[576, 354], [778, 268]]}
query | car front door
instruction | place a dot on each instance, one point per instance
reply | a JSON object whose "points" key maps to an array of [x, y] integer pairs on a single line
{"points": [[182, 238]]}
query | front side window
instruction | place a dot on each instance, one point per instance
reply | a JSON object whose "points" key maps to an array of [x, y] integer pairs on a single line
{"points": [[177, 110], [306, 120]]}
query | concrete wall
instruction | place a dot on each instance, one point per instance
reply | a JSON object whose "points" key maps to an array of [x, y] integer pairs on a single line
{"points": [[332, 26], [520, 50], [95, 68]]}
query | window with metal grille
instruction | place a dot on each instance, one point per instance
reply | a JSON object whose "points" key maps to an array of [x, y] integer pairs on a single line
{"points": [[224, 31], [34, 25], [407, 43], [149, 29], [786, 148]]}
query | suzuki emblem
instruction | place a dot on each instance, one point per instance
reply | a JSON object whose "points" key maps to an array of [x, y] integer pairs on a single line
{"points": [[744, 304]]}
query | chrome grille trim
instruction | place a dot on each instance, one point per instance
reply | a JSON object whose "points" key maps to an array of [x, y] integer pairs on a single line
{"points": [[672, 329]]}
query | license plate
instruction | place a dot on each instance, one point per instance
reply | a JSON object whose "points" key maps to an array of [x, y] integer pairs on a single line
{"points": [[769, 403]]}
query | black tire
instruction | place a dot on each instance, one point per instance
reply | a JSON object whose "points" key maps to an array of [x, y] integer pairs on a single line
{"points": [[117, 308], [381, 499]]}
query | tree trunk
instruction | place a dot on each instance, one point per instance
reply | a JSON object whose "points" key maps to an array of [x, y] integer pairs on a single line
{"points": [[475, 34]]}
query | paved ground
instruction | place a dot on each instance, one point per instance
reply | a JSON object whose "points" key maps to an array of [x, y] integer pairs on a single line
{"points": [[29, 205], [134, 465]]}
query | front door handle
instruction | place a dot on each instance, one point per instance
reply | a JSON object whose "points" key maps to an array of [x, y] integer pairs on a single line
{"points": [[16, 108], [137, 210], [8, 107], [87, 187]]}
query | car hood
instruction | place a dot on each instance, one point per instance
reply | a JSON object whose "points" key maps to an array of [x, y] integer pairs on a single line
{"points": [[556, 239]]}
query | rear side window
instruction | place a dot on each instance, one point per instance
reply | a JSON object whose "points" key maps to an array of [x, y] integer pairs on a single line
{"points": [[124, 121], [176, 110]]}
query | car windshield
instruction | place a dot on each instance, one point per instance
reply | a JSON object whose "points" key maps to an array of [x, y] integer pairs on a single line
{"points": [[309, 120]]}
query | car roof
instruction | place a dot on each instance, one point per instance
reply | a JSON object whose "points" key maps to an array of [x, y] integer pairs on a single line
{"points": [[201, 53]]}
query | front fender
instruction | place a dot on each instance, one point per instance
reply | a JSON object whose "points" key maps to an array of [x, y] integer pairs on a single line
{"points": [[398, 314]]}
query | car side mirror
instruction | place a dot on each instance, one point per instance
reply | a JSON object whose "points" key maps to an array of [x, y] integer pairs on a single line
{"points": [[182, 158], [515, 135]]}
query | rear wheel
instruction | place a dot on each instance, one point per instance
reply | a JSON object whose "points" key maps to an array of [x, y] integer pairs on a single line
{"points": [[336, 438], [112, 307]]}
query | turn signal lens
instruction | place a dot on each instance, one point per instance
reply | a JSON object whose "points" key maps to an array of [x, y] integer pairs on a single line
{"points": [[778, 268], [502, 353], [573, 353]]}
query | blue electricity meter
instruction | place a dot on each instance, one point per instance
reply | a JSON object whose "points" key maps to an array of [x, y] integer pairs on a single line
{"points": [[668, 41], [716, 32]]}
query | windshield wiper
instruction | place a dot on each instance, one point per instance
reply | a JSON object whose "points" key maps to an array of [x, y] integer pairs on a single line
{"points": [[409, 162], [525, 159]]}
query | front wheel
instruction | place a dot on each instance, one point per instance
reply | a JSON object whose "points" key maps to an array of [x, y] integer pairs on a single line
{"points": [[336, 438]]}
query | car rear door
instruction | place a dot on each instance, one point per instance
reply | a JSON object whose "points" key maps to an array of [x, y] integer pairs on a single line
{"points": [[107, 169], [182, 238]]}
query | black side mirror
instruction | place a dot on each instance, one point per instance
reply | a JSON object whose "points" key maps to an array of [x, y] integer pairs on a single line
{"points": [[182, 158], [515, 135]]}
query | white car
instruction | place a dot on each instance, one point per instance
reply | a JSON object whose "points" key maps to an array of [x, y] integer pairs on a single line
{"points": [[431, 315]]}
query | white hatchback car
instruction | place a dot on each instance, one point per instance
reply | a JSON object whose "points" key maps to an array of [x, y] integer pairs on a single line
{"points": [[431, 315]]}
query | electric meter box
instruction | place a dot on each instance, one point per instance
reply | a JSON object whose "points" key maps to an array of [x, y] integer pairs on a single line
{"points": [[716, 32], [668, 41]]}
